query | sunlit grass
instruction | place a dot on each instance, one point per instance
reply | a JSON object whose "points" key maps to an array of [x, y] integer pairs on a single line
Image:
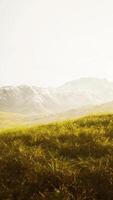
{"points": [[71, 160]]}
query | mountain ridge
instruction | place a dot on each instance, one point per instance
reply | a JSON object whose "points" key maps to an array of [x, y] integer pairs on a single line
{"points": [[26, 99]]}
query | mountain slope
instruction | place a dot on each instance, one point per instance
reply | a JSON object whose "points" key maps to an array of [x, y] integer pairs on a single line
{"points": [[39, 101], [96, 90], [76, 113]]}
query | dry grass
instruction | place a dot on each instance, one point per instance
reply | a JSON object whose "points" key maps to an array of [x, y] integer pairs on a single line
{"points": [[72, 160]]}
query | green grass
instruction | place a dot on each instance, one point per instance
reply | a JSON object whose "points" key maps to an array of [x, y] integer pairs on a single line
{"points": [[71, 160]]}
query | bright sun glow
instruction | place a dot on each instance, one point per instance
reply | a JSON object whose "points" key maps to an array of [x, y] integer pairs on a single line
{"points": [[51, 42]]}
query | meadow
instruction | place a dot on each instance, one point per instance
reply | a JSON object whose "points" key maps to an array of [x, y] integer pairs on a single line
{"points": [[70, 160]]}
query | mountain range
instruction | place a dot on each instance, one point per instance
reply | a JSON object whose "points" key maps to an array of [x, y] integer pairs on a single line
{"points": [[74, 98]]}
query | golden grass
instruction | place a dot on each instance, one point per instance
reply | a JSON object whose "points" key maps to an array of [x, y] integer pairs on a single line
{"points": [[71, 160]]}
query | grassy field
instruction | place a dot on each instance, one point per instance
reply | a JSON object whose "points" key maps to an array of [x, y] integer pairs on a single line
{"points": [[8, 119], [71, 160]]}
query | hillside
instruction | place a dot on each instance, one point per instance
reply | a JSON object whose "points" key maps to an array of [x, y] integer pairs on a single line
{"points": [[31, 100], [9, 120], [82, 111], [74, 113], [14, 119], [72, 160]]}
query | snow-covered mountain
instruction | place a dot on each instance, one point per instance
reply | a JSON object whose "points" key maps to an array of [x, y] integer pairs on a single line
{"points": [[43, 101]]}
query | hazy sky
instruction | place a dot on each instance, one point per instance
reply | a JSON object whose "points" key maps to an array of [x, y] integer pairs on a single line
{"points": [[49, 42]]}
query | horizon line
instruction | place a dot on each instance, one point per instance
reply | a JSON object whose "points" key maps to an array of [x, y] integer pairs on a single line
{"points": [[54, 86]]}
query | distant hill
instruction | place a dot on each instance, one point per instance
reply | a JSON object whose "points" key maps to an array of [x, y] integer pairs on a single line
{"points": [[14, 119], [86, 110], [39, 101], [79, 112]]}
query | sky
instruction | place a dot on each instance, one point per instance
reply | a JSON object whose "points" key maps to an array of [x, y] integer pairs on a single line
{"points": [[49, 42]]}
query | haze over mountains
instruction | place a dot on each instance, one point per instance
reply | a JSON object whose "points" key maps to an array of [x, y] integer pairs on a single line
{"points": [[32, 100]]}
